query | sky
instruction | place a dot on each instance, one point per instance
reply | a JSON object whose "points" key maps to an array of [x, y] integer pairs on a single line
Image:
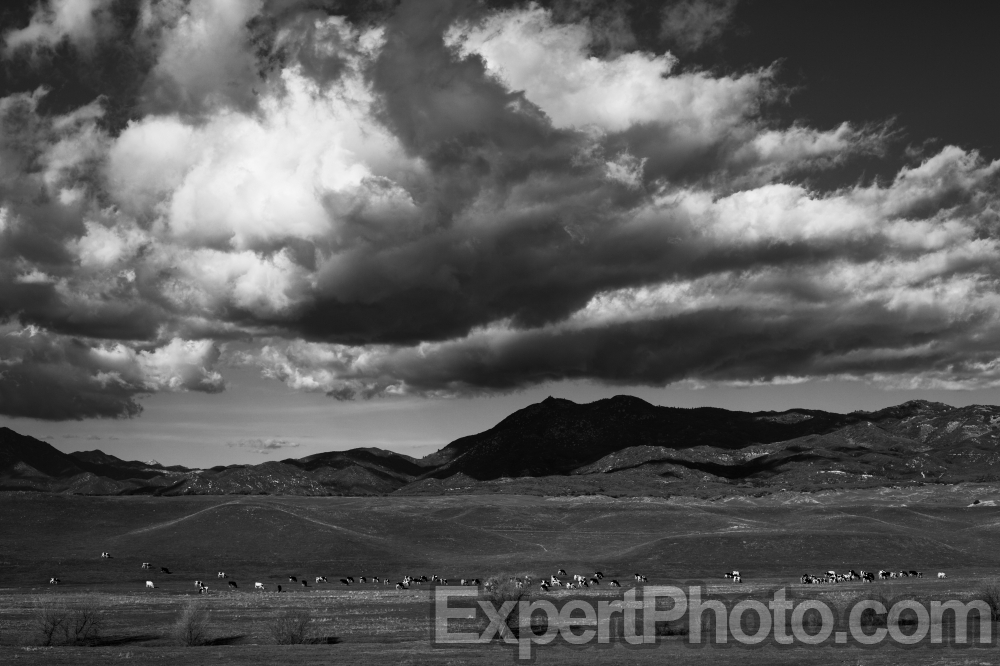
{"points": [[241, 230]]}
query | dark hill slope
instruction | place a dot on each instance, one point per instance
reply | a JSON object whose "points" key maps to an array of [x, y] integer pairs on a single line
{"points": [[558, 436], [18, 451], [112, 467]]}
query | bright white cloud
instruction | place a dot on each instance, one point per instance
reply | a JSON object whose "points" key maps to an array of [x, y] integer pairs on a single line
{"points": [[550, 63]]}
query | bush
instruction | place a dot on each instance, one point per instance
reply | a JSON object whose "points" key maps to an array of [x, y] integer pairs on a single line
{"points": [[191, 628], [55, 624], [991, 595], [49, 622], [292, 628], [501, 589], [883, 595], [84, 626], [671, 629]]}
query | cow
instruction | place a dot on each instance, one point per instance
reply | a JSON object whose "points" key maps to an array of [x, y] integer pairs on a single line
{"points": [[304, 583], [595, 581], [402, 586], [322, 579], [279, 588], [258, 586], [198, 583], [344, 581], [598, 575], [222, 574], [106, 555], [203, 589], [53, 581], [293, 579], [561, 572], [615, 583], [149, 585], [941, 574], [146, 565], [164, 570], [232, 585], [362, 580]]}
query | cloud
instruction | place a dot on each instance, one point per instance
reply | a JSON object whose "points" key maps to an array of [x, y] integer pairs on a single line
{"points": [[263, 446], [55, 20], [690, 25], [202, 61], [53, 377], [551, 64], [443, 199]]}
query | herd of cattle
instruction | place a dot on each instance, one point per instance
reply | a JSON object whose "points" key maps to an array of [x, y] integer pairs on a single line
{"points": [[863, 576], [559, 579]]}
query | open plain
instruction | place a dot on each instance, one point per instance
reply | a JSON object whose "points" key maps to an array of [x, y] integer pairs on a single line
{"points": [[772, 540]]}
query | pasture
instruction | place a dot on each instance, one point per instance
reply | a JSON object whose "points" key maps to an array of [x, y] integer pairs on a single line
{"points": [[772, 540]]}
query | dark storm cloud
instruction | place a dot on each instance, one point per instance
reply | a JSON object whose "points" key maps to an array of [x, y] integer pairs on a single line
{"points": [[445, 198], [44, 376]]}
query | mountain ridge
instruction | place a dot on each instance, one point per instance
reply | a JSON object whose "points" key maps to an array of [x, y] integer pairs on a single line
{"points": [[616, 445]]}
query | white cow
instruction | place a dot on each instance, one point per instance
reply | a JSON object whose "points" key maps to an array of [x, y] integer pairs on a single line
{"points": [[258, 586], [942, 574], [149, 584]]}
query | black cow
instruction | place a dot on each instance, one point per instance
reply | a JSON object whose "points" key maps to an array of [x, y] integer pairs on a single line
{"points": [[345, 581], [293, 579], [164, 570]]}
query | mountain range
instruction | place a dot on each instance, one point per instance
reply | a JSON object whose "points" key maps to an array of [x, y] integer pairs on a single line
{"points": [[617, 446]]}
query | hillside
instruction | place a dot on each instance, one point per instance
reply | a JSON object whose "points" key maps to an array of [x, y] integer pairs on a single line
{"points": [[617, 446]]}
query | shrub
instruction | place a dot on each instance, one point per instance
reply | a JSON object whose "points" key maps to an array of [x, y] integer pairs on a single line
{"points": [[499, 590], [84, 625], [191, 628], [671, 629], [882, 594], [991, 595], [292, 628], [55, 624], [48, 622]]}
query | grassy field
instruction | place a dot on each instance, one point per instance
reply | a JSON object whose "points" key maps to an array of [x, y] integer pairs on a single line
{"points": [[771, 540]]}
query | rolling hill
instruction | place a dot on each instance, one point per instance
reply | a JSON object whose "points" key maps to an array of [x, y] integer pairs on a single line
{"points": [[619, 446]]}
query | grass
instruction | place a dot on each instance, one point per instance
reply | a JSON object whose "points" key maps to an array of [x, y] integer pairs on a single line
{"points": [[268, 538]]}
